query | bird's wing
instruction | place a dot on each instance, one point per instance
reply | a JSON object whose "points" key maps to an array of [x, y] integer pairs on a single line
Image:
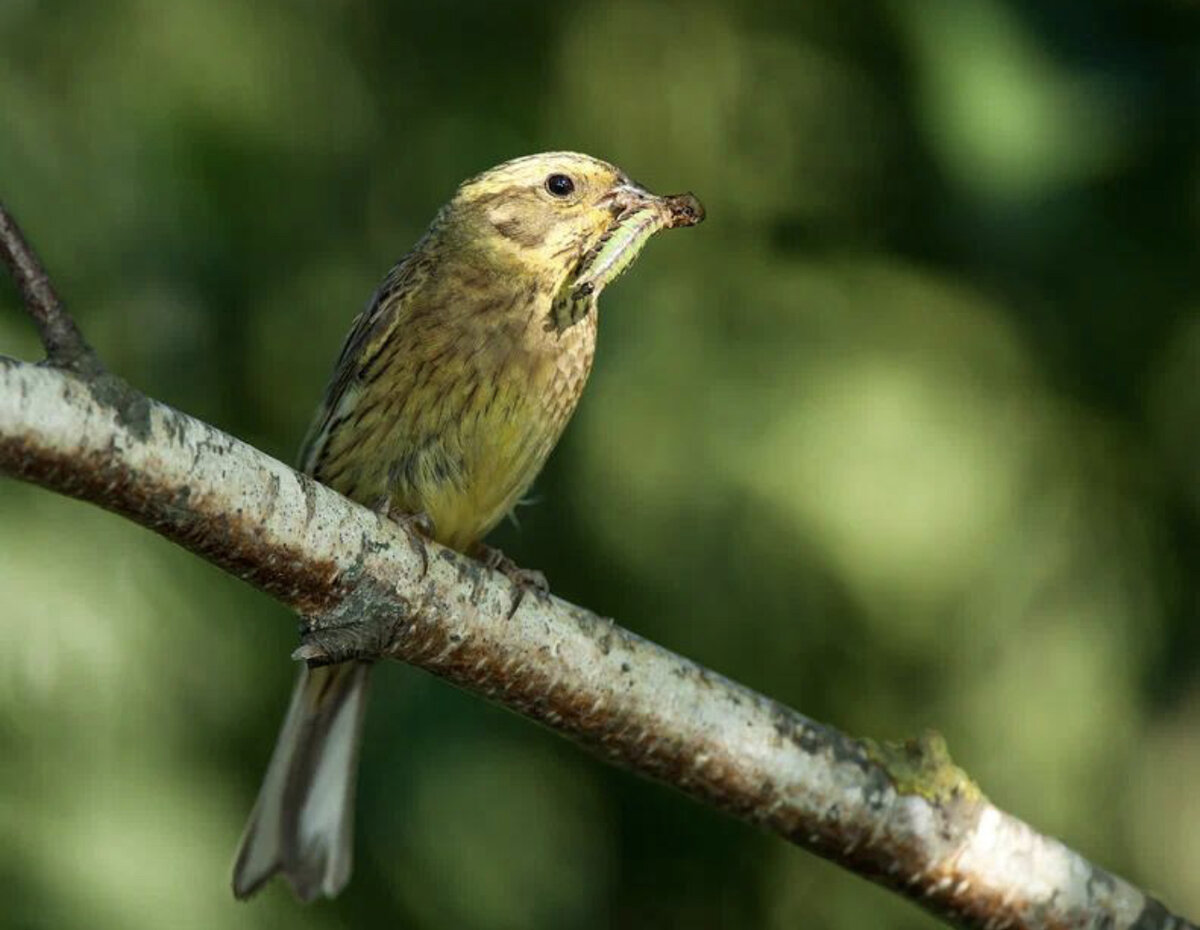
{"points": [[367, 336]]}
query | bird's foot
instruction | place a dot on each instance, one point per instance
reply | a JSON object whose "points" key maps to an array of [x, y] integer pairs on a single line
{"points": [[524, 579], [419, 526]]}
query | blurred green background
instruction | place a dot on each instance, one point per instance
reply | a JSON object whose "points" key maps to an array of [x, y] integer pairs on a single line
{"points": [[906, 435]]}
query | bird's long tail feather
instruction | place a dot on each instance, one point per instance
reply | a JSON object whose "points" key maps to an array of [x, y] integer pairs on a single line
{"points": [[302, 823]]}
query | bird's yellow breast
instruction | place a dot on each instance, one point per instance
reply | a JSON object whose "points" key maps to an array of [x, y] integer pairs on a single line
{"points": [[456, 408], [508, 418]]}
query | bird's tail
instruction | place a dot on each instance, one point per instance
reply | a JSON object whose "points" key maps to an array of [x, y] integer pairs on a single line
{"points": [[302, 824]]}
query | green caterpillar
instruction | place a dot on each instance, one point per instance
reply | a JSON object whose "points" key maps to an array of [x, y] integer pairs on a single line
{"points": [[605, 262]]}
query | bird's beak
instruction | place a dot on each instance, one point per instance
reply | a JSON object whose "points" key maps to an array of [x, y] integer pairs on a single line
{"points": [[677, 209], [637, 215]]}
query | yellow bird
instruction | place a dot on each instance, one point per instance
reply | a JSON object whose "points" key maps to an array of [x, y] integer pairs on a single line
{"points": [[452, 388]]}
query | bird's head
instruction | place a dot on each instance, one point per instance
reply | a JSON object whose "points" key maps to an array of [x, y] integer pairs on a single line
{"points": [[542, 215]]}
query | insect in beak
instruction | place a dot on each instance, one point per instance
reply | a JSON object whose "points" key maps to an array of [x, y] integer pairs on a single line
{"points": [[680, 209], [637, 215]]}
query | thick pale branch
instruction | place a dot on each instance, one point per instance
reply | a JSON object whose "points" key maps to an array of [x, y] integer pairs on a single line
{"points": [[905, 817]]}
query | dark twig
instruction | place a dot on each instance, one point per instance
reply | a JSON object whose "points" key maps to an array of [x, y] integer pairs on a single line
{"points": [[64, 343]]}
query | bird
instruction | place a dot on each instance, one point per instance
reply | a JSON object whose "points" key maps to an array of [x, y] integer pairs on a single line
{"points": [[450, 391]]}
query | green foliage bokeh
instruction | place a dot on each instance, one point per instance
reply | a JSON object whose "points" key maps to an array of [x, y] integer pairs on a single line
{"points": [[906, 435]]}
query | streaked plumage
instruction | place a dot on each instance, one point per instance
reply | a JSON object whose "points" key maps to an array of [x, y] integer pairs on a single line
{"points": [[450, 392]]}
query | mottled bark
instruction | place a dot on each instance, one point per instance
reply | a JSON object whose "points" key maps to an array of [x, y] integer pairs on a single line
{"points": [[901, 815]]}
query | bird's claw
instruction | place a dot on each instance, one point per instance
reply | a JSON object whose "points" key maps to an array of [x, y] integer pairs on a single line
{"points": [[523, 579], [420, 528]]}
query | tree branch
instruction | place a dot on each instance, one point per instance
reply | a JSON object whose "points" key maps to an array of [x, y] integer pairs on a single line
{"points": [[901, 815], [64, 343]]}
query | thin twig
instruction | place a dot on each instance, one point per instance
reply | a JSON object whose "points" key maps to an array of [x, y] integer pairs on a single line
{"points": [[64, 343]]}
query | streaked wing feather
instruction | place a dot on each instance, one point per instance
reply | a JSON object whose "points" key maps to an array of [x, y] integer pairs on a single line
{"points": [[367, 336]]}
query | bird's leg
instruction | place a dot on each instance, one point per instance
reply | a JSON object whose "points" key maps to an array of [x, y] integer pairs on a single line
{"points": [[525, 579], [419, 526], [496, 560]]}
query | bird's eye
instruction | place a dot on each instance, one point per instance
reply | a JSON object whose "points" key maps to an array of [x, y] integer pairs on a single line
{"points": [[560, 185]]}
